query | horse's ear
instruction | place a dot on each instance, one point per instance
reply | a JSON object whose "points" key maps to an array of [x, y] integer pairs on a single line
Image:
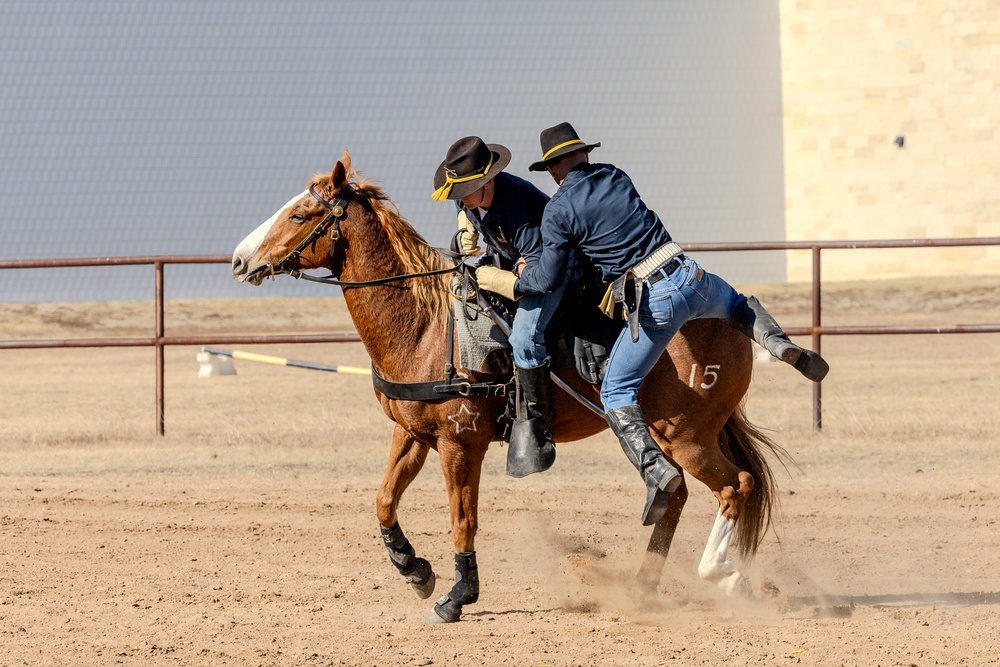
{"points": [[341, 171]]}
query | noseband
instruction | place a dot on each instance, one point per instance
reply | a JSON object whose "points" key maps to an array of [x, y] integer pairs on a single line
{"points": [[335, 213]]}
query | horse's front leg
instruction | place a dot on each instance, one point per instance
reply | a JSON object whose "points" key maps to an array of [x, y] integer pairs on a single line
{"points": [[462, 465], [406, 458]]}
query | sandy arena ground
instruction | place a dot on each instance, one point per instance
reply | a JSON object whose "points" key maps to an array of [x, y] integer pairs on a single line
{"points": [[247, 535]]}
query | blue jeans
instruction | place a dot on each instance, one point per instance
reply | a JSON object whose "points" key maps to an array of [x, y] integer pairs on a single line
{"points": [[688, 293], [527, 333]]}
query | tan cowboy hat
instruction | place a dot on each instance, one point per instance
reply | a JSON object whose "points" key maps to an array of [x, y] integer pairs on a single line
{"points": [[558, 141], [469, 165]]}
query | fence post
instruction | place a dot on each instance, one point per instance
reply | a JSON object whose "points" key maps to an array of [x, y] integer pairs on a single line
{"points": [[816, 336], [160, 418]]}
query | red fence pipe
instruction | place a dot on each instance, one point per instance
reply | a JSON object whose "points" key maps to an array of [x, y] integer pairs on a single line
{"points": [[160, 401]]}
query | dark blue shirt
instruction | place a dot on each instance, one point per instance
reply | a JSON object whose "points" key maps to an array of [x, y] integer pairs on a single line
{"points": [[598, 212], [511, 227]]}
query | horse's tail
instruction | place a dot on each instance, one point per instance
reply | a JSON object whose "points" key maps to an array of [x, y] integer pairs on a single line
{"points": [[746, 446]]}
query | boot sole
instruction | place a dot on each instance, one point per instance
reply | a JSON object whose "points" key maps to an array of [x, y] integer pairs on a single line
{"points": [[807, 362], [811, 365]]}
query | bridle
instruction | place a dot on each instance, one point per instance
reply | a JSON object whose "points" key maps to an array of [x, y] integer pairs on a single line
{"points": [[336, 212]]}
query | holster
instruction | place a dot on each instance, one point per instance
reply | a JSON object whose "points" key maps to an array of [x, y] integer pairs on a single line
{"points": [[627, 291]]}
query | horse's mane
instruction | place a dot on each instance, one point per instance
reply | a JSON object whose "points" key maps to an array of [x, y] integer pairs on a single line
{"points": [[416, 254]]}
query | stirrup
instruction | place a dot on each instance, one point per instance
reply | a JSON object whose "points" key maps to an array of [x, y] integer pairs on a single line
{"points": [[531, 448]]}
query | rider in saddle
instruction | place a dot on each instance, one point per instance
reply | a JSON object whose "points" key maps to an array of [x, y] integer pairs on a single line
{"points": [[598, 212], [506, 211]]}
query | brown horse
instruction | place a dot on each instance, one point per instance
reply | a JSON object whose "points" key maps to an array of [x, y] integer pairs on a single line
{"points": [[693, 398]]}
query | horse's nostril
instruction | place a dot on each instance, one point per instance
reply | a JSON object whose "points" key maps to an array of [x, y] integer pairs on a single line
{"points": [[238, 265]]}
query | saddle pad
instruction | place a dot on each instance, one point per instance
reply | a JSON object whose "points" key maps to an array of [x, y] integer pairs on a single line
{"points": [[478, 337]]}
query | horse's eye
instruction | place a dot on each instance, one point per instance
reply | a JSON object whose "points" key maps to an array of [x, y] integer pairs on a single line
{"points": [[297, 219]]}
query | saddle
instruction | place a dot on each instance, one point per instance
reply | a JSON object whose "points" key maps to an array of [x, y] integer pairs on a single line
{"points": [[485, 318], [482, 320]]}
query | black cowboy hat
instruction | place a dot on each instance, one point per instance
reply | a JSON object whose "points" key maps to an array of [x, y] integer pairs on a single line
{"points": [[559, 141], [469, 165]]}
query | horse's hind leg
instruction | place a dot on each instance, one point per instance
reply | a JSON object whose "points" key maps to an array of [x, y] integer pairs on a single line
{"points": [[406, 458], [716, 566], [731, 487]]}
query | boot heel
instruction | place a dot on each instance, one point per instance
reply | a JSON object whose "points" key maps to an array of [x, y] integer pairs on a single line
{"points": [[673, 483], [790, 354], [657, 502]]}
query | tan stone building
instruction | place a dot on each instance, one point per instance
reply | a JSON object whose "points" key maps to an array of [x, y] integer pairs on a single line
{"points": [[891, 130]]}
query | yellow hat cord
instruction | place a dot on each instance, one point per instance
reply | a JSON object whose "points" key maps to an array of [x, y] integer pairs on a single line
{"points": [[562, 145], [451, 178]]}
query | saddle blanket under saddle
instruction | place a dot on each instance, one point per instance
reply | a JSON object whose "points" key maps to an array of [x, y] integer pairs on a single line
{"points": [[482, 346]]}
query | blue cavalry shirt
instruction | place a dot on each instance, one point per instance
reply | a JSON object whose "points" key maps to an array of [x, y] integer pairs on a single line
{"points": [[511, 226], [597, 211]]}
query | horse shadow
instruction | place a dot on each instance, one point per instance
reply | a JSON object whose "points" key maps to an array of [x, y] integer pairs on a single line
{"points": [[842, 606], [811, 606]]}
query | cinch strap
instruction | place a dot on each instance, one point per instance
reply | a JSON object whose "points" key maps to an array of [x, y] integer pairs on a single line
{"points": [[450, 179], [562, 145]]}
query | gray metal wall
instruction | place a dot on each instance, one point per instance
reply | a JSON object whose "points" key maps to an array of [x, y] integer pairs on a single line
{"points": [[136, 127]]}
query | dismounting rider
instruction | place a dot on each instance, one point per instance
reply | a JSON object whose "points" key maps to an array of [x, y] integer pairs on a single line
{"points": [[598, 212], [505, 212]]}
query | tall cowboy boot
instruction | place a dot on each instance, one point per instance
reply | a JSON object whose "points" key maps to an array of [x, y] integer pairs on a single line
{"points": [[661, 478], [750, 319], [531, 448]]}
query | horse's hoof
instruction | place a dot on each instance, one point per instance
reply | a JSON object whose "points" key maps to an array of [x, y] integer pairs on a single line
{"points": [[643, 586], [433, 619], [445, 611], [421, 577], [426, 589], [736, 586]]}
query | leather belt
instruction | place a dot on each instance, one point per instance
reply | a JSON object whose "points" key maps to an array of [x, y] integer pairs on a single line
{"points": [[665, 270], [627, 288]]}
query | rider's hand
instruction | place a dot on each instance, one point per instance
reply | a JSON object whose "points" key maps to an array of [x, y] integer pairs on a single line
{"points": [[499, 281], [469, 237]]}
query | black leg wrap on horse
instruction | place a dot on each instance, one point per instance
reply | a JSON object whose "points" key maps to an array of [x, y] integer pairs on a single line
{"points": [[415, 571], [465, 591]]}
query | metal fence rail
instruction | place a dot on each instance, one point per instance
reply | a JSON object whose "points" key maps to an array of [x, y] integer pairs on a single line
{"points": [[159, 340], [816, 330]]}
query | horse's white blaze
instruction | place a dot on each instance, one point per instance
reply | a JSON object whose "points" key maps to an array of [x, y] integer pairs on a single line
{"points": [[251, 243], [715, 564]]}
